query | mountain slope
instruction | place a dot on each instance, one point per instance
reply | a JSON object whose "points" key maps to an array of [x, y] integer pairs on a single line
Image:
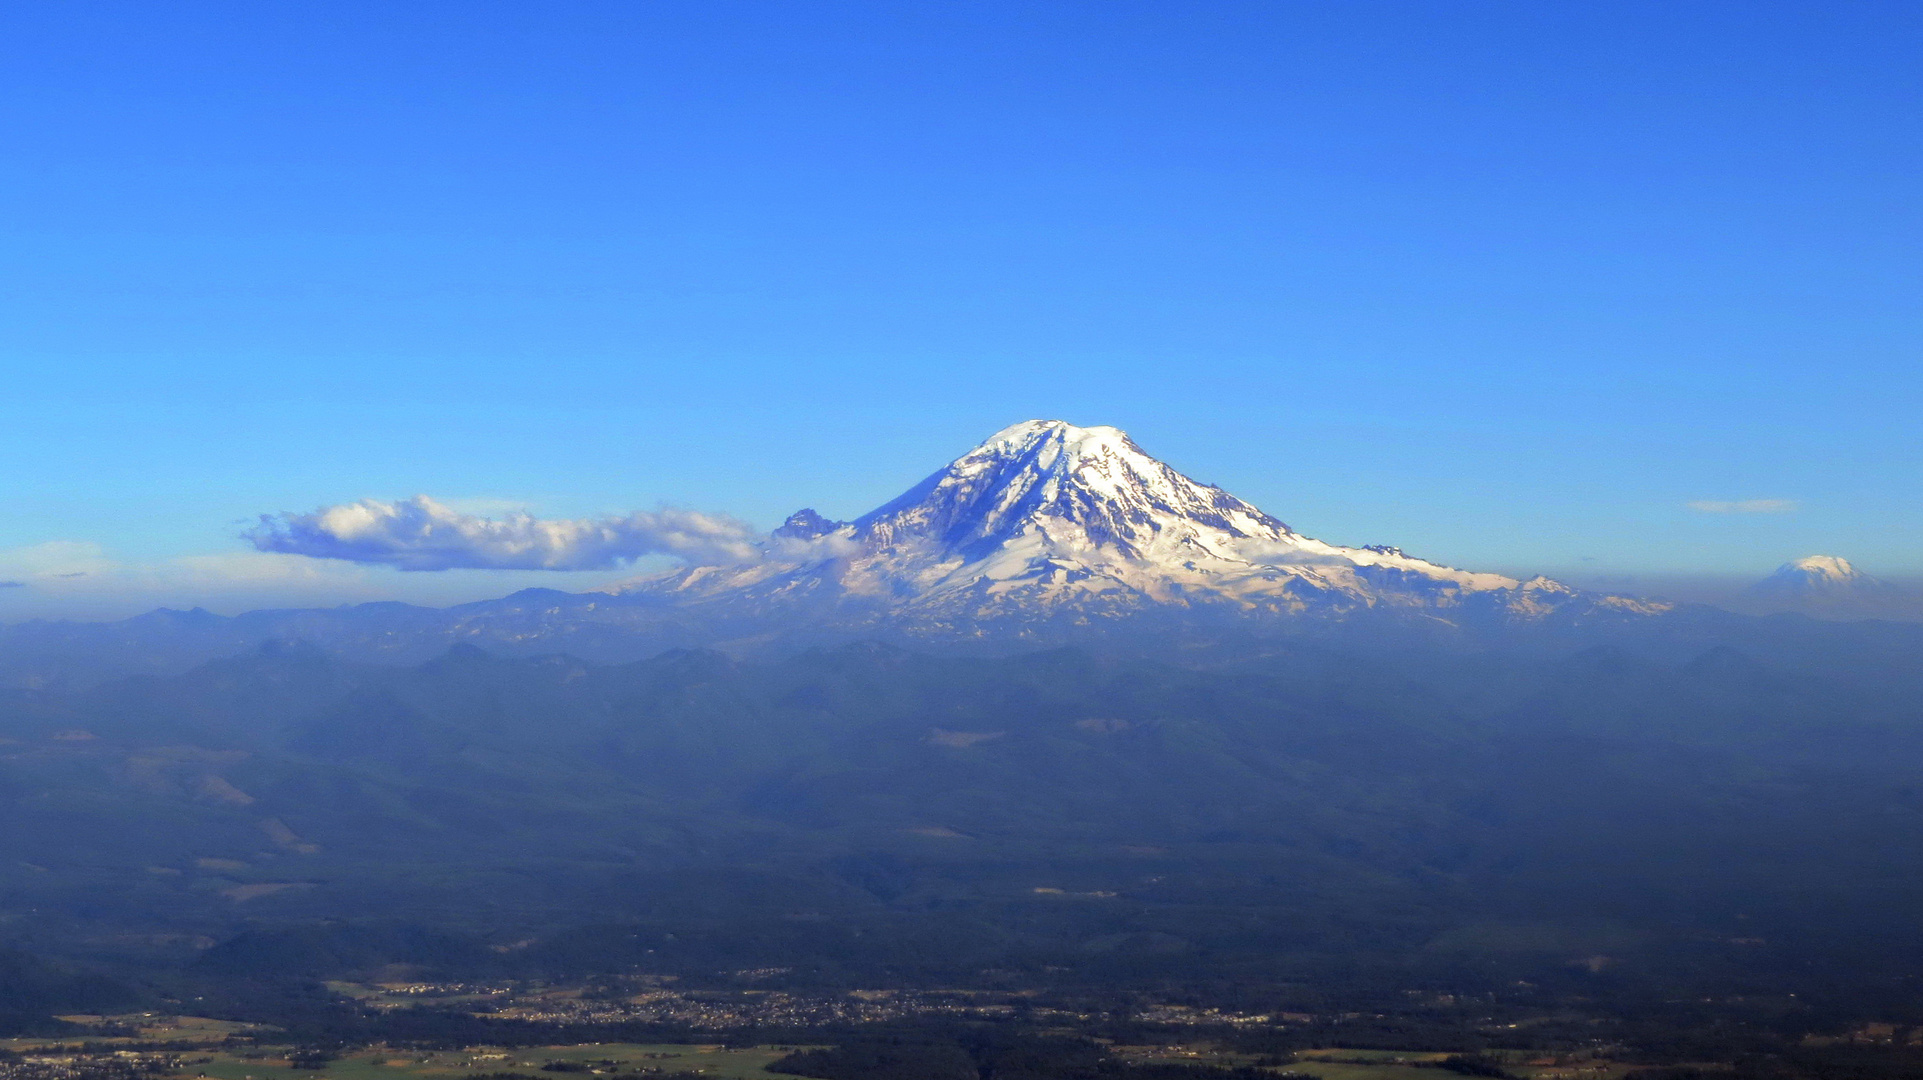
{"points": [[1827, 586], [1046, 521], [1820, 577], [1045, 533], [865, 811]]}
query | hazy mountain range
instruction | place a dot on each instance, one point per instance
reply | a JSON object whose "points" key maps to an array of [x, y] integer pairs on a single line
{"points": [[1325, 809], [1057, 708], [1827, 584], [1045, 533]]}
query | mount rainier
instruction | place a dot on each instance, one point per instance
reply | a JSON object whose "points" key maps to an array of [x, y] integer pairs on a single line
{"points": [[1045, 533], [1046, 522]]}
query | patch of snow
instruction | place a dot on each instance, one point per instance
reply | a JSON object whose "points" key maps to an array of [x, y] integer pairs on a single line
{"points": [[1048, 518]]}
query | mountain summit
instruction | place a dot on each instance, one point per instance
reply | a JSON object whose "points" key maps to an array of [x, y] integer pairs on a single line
{"points": [[1823, 581], [1049, 521], [1815, 574], [1044, 533]]}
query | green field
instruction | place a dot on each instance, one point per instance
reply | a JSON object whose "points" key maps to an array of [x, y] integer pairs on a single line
{"points": [[152, 1028], [1369, 1064], [749, 1063], [1325, 1064], [265, 1061]]}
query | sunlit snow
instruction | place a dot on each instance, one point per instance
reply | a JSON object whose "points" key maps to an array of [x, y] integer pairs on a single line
{"points": [[1046, 518]]}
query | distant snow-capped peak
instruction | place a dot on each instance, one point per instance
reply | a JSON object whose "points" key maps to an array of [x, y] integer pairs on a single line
{"points": [[1824, 568], [1045, 518], [1817, 577]]}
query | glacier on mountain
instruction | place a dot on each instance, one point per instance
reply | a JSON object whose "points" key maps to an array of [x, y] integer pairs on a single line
{"points": [[1049, 521], [1823, 581], [1046, 533]]}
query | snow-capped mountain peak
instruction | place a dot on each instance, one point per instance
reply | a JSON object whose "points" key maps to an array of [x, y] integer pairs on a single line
{"points": [[1088, 485], [1819, 577], [1824, 568], [1047, 520]]}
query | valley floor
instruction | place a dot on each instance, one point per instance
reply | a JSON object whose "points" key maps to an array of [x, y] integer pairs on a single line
{"points": [[1159, 1042]]}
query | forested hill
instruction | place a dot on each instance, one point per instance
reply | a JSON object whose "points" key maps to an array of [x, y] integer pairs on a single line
{"points": [[862, 810]]}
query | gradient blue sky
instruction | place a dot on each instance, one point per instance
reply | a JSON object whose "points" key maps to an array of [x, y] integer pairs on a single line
{"points": [[1509, 285]]}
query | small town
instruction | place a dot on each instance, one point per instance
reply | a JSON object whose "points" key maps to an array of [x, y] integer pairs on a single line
{"points": [[720, 1010]]}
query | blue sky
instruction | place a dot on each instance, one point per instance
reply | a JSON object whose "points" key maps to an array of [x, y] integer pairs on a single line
{"points": [[1510, 285]]}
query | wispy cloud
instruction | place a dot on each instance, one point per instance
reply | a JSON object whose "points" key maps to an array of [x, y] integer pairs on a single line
{"points": [[54, 559], [1290, 555], [1743, 506], [423, 534], [78, 579]]}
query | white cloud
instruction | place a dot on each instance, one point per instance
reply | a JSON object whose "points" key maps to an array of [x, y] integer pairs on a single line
{"points": [[1285, 554], [76, 579], [832, 545], [1744, 506], [54, 560], [423, 534], [249, 569], [57, 567]]}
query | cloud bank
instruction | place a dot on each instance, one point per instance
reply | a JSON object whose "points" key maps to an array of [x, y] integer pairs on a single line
{"points": [[69, 579], [422, 534], [1744, 506]]}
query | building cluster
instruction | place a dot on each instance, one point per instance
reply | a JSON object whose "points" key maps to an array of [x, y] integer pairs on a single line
{"points": [[79, 1065], [653, 1002], [713, 1010], [1197, 1017]]}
